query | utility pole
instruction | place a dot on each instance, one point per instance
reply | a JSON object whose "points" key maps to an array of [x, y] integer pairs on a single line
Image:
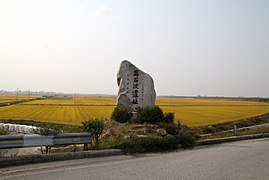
{"points": [[17, 94], [29, 94]]}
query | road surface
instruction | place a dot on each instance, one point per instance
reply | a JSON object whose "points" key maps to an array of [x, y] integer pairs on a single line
{"points": [[237, 160]]}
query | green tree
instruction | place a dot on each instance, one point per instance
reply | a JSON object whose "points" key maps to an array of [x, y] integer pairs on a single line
{"points": [[95, 127], [47, 130]]}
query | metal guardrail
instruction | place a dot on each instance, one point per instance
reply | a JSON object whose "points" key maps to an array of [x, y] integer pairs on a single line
{"points": [[235, 130], [20, 141], [230, 139]]}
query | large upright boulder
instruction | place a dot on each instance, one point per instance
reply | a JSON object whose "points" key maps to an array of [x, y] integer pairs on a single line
{"points": [[136, 88]]}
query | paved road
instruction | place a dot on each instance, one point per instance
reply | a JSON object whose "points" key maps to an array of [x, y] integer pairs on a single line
{"points": [[238, 160]]}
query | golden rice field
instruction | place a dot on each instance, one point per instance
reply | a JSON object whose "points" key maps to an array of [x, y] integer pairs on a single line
{"points": [[204, 102], [73, 115], [6, 98], [77, 100], [74, 110], [111, 100], [208, 115]]}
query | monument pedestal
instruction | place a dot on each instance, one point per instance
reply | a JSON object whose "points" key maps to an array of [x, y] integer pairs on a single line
{"points": [[134, 117]]}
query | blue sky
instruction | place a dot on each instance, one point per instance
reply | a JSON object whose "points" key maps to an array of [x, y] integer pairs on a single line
{"points": [[209, 47]]}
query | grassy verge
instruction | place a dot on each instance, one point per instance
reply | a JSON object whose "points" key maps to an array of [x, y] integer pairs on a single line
{"points": [[127, 139], [256, 120], [259, 130]]}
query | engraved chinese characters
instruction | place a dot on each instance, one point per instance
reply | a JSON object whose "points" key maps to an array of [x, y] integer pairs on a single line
{"points": [[135, 91], [136, 88]]}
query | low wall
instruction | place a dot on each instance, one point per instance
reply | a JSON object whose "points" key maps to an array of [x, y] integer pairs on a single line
{"points": [[18, 128]]}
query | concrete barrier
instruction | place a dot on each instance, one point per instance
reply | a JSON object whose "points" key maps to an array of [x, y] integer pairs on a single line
{"points": [[18, 128], [30, 159]]}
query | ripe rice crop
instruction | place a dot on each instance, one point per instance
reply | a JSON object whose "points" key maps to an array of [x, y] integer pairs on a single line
{"points": [[6, 98], [208, 115], [190, 111], [77, 100], [204, 102], [72, 115]]}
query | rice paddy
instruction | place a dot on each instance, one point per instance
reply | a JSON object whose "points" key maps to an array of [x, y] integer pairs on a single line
{"points": [[75, 109], [7, 98]]}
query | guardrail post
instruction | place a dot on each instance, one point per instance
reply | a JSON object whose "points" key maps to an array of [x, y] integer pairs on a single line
{"points": [[86, 147], [235, 130]]}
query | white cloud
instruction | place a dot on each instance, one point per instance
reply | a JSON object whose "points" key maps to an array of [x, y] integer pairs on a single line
{"points": [[103, 10], [105, 13], [97, 15]]}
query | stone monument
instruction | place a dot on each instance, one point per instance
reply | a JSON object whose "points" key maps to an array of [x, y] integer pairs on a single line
{"points": [[136, 88]]}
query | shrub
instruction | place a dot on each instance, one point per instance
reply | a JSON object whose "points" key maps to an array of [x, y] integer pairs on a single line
{"points": [[47, 129], [169, 117], [150, 115], [3, 131], [121, 115], [95, 127], [171, 128], [148, 144], [186, 140], [223, 128], [209, 130]]}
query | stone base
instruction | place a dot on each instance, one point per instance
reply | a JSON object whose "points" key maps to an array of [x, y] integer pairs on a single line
{"points": [[134, 117]]}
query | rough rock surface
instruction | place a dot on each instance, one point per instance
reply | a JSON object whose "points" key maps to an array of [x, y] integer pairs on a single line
{"points": [[136, 88], [110, 132], [161, 132]]}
